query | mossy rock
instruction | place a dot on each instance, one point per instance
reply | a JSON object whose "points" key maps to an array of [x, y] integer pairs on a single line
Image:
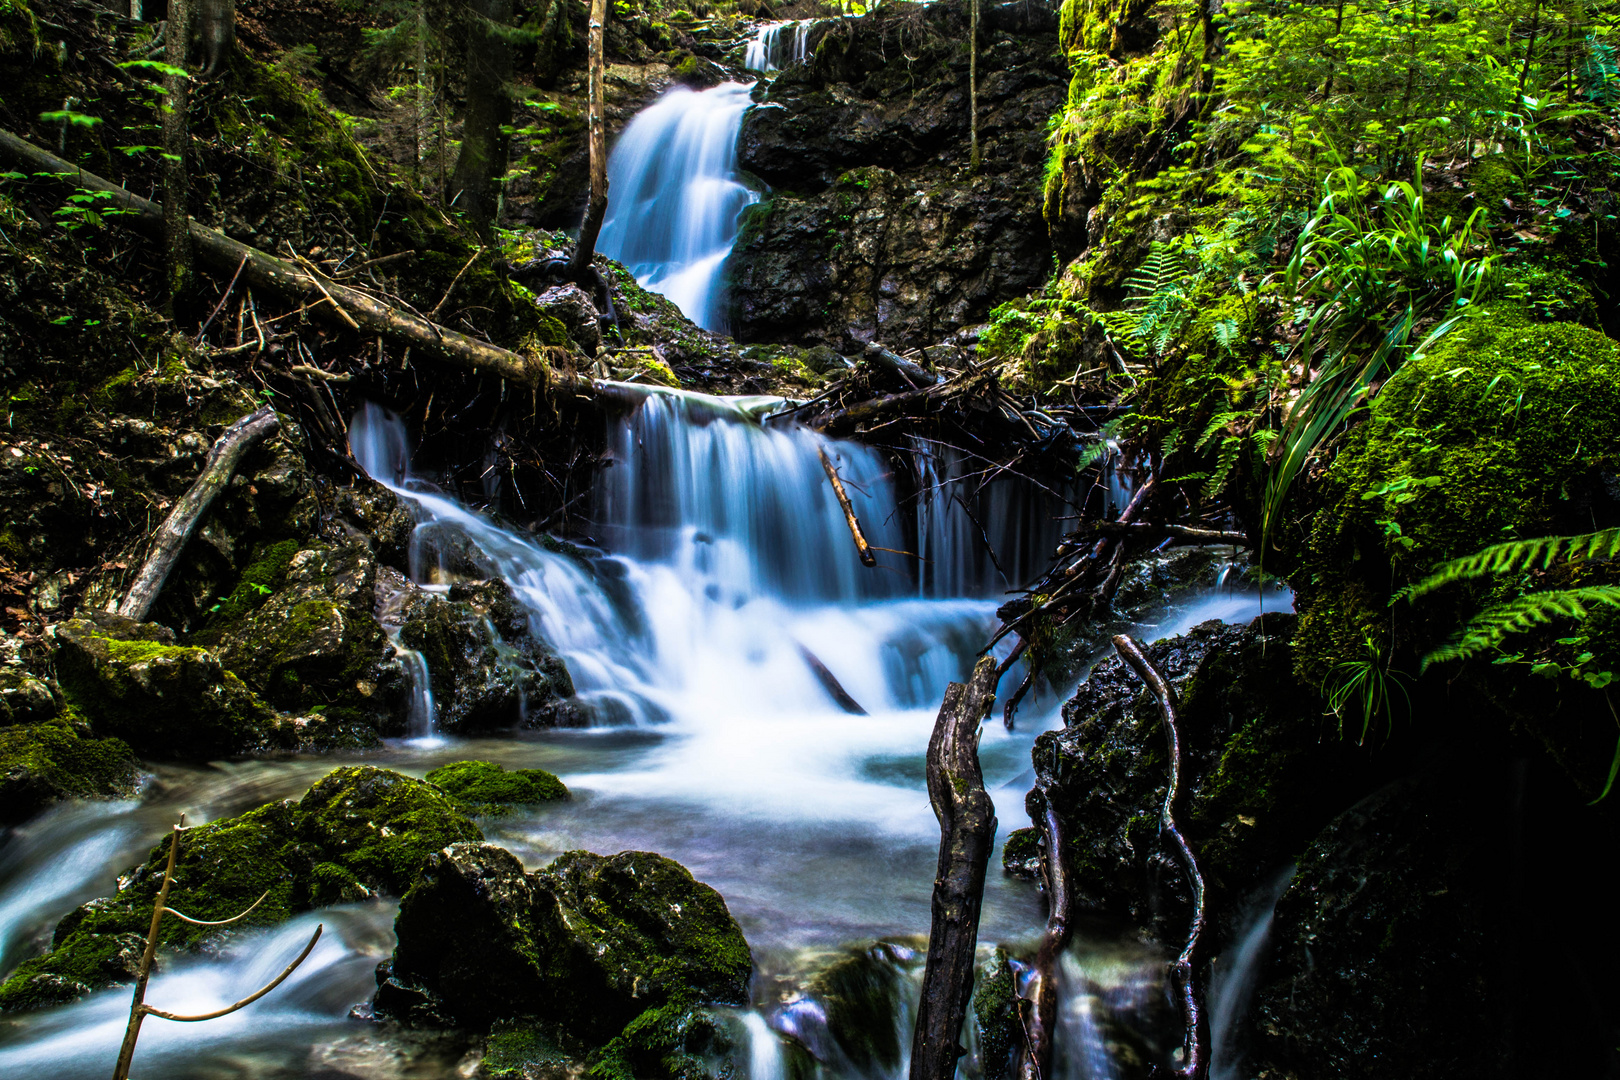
{"points": [[43, 763], [590, 942], [130, 680], [995, 1015], [485, 787], [24, 697], [360, 830]]}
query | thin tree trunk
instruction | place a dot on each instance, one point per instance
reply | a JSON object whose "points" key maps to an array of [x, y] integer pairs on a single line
{"points": [[176, 189], [171, 537], [267, 271], [484, 142], [1040, 1022], [967, 824], [973, 86], [422, 97], [1529, 48], [585, 251]]}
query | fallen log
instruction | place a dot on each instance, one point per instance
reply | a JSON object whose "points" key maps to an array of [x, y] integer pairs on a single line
{"points": [[294, 282], [1038, 1012], [967, 825], [171, 537], [865, 549], [918, 376], [1145, 531], [830, 683], [1184, 971]]}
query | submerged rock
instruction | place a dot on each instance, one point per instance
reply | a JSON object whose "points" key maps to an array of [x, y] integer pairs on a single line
{"points": [[132, 681], [44, 763], [358, 831], [485, 787], [589, 942], [487, 669]]}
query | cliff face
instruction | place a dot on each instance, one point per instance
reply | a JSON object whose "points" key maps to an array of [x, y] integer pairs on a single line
{"points": [[876, 227]]}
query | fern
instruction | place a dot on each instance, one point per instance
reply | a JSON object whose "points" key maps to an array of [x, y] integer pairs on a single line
{"points": [[1487, 629], [1518, 555]]}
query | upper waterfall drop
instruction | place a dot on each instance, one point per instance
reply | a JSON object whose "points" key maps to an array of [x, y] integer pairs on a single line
{"points": [[674, 197]]}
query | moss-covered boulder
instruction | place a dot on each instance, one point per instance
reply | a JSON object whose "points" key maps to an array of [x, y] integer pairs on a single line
{"points": [[317, 643], [24, 697], [1262, 770], [43, 763], [358, 831], [485, 787], [487, 669], [132, 681], [589, 942]]}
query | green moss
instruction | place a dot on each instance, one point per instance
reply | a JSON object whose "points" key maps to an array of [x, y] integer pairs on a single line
{"points": [[41, 763], [261, 578], [485, 786], [674, 1041], [380, 828], [520, 1053], [88, 962], [995, 1015]]}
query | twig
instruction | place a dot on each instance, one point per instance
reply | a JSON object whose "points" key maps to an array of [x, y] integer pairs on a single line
{"points": [[315, 276], [434, 314], [224, 297]]}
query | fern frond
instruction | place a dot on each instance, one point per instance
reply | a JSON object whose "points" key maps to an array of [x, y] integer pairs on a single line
{"points": [[1231, 446], [1517, 555], [1489, 627]]}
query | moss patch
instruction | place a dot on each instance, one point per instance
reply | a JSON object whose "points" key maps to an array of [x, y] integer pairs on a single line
{"points": [[41, 763], [484, 786]]}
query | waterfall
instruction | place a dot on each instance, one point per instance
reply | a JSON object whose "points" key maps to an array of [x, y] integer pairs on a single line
{"points": [[675, 197], [764, 51], [1236, 971]]}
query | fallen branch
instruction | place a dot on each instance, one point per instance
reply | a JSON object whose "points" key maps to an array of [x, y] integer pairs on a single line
{"points": [[1144, 531], [1040, 1022], [1184, 972], [917, 376], [268, 271], [967, 824], [177, 528], [865, 549], [830, 683], [907, 401]]}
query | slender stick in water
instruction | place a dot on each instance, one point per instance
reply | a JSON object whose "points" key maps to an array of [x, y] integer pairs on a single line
{"points": [[865, 549]]}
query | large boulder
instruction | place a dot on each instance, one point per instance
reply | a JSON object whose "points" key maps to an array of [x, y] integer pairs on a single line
{"points": [[44, 763], [589, 942], [487, 668], [357, 832], [132, 681], [316, 641]]}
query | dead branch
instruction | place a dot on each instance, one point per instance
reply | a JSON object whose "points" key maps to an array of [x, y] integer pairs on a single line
{"points": [[1039, 1011], [1184, 971], [913, 374], [967, 823], [251, 998], [177, 528], [1144, 531], [830, 683], [865, 549], [293, 281]]}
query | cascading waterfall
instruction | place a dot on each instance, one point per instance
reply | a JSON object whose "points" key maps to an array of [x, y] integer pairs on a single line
{"points": [[764, 51], [1236, 972], [675, 196]]}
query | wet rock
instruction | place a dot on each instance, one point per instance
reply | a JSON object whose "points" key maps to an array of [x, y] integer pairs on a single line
{"points": [[357, 832], [487, 669], [24, 697], [46, 762], [575, 311], [1262, 770], [873, 227], [317, 645], [485, 787], [995, 1015], [374, 512], [590, 942], [130, 680]]}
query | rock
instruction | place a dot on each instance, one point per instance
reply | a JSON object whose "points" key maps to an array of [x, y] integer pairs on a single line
{"points": [[46, 762], [487, 669], [485, 787], [132, 681], [590, 942], [573, 308], [1262, 770], [316, 640], [872, 230], [24, 698], [358, 831]]}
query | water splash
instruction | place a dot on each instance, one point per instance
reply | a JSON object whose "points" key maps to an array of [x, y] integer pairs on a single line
{"points": [[675, 198]]}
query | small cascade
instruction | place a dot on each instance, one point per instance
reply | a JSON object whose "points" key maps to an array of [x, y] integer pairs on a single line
{"points": [[676, 198], [765, 49], [1236, 971], [53, 861], [764, 1049]]}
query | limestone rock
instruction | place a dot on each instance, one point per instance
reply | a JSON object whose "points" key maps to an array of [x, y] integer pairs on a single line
{"points": [[132, 681], [590, 941]]}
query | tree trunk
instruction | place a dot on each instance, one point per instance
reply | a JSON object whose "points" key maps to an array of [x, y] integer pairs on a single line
{"points": [[216, 19], [585, 252], [176, 188], [267, 271], [484, 141], [967, 825], [171, 537], [973, 86]]}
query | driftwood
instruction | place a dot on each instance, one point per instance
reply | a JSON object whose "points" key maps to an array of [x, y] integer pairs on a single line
{"points": [[914, 374], [967, 825], [865, 549], [139, 1010], [295, 282], [1184, 971], [177, 528], [830, 683], [1038, 1012]]}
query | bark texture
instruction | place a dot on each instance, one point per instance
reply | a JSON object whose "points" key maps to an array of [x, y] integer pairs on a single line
{"points": [[579, 268]]}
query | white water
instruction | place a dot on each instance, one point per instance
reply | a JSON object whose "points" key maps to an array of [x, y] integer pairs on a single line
{"points": [[1235, 974], [674, 197], [765, 49]]}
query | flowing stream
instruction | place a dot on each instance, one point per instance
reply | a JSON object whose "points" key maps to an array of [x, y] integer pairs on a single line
{"points": [[725, 575]]}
